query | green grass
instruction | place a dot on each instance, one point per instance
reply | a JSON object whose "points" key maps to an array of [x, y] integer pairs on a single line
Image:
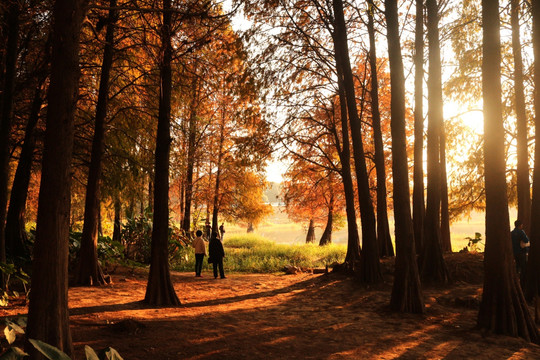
{"points": [[255, 254]]}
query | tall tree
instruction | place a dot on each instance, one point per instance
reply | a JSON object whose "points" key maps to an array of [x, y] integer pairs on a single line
{"points": [[446, 243], [191, 148], [89, 271], [371, 271], [159, 290], [6, 104], [48, 318], [406, 291], [383, 229], [432, 265], [503, 308], [532, 282], [523, 185], [16, 238], [418, 174]]}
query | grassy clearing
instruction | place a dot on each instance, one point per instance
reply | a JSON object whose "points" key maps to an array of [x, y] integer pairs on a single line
{"points": [[255, 254]]}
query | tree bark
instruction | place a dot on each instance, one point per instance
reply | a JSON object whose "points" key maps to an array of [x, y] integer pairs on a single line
{"points": [[446, 242], [117, 220], [89, 270], [503, 309], [353, 255], [16, 239], [532, 283], [190, 159], [215, 211], [159, 290], [418, 175], [523, 185], [383, 229], [371, 270], [310, 237], [48, 318], [12, 19], [432, 266], [326, 237], [406, 290]]}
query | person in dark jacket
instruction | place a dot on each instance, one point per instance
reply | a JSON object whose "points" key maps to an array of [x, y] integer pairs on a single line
{"points": [[520, 248], [216, 254]]}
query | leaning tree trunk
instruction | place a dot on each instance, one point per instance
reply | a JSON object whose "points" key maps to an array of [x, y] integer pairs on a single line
{"points": [[503, 309], [432, 266], [406, 291], [16, 239], [89, 270], [48, 318], [371, 269], [326, 237], [310, 237], [523, 185], [159, 290], [12, 18], [418, 175], [383, 229], [353, 255]]}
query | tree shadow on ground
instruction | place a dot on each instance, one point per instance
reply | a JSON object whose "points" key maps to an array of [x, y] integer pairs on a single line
{"points": [[318, 317]]}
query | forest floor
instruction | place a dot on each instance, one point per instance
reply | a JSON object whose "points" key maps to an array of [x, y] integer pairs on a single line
{"points": [[278, 316]]}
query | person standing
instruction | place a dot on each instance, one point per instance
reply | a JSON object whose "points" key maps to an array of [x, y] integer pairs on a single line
{"points": [[207, 229], [222, 230], [216, 254], [200, 252], [520, 248]]}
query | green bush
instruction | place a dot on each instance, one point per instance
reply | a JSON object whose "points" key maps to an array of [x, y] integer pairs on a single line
{"points": [[137, 237], [255, 254], [13, 276]]}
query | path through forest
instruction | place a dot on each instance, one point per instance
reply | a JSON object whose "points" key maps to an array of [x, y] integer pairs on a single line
{"points": [[278, 316]]}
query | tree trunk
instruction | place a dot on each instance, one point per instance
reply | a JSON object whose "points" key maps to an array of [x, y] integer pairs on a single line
{"points": [[89, 271], [353, 255], [446, 242], [215, 211], [523, 185], [532, 283], [48, 318], [371, 270], [503, 309], [117, 231], [418, 175], [310, 237], [190, 158], [406, 291], [250, 228], [432, 266], [383, 229], [326, 237], [16, 239], [159, 290], [12, 18]]}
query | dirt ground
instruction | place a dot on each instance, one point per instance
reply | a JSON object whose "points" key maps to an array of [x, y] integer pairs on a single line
{"points": [[278, 316]]}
